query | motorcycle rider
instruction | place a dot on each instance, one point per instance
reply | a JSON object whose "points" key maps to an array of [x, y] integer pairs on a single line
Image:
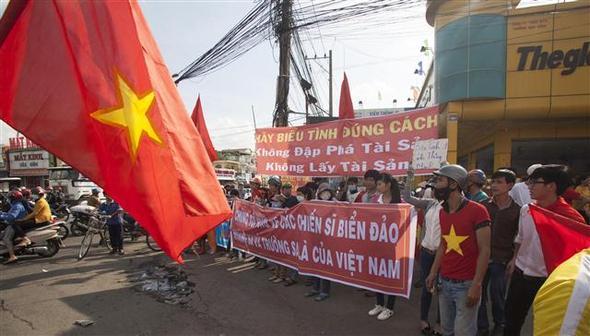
{"points": [[94, 200], [27, 202], [17, 211], [40, 216]]}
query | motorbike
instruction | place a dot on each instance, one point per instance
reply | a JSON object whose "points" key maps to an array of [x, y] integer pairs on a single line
{"points": [[45, 242], [61, 211]]}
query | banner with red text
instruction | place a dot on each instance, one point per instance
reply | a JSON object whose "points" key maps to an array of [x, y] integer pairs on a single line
{"points": [[345, 147], [368, 246]]}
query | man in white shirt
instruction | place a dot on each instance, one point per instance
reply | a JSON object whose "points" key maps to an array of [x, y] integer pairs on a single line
{"points": [[527, 267]]}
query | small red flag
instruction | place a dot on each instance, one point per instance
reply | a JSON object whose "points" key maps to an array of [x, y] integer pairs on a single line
{"points": [[199, 121], [345, 110], [86, 81], [561, 237]]}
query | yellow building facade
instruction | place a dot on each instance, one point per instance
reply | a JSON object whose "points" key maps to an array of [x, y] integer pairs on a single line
{"points": [[513, 84]]}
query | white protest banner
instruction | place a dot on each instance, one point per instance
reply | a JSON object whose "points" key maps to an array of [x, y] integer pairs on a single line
{"points": [[428, 154]]}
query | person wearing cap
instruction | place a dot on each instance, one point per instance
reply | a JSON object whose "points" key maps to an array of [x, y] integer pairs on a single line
{"points": [[527, 268], [93, 200], [114, 223], [40, 216], [520, 193], [275, 200], [476, 179], [504, 213], [463, 254], [280, 272]]}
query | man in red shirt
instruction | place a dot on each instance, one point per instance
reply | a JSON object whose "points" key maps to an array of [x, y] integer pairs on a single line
{"points": [[547, 183], [463, 255]]}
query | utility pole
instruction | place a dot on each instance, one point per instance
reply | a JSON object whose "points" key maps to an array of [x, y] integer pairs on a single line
{"points": [[253, 117], [281, 114], [331, 95], [330, 76]]}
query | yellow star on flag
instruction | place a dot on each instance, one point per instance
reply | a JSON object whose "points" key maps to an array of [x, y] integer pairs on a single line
{"points": [[454, 241], [131, 115]]}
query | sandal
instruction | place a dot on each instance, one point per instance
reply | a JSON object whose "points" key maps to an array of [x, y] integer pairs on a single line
{"points": [[289, 282], [8, 262], [24, 243], [426, 331]]}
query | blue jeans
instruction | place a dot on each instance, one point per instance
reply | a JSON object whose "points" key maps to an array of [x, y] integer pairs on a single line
{"points": [[456, 318], [497, 284], [426, 261]]}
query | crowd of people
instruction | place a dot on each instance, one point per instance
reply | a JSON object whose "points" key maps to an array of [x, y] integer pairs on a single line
{"points": [[479, 247], [478, 244], [28, 209]]}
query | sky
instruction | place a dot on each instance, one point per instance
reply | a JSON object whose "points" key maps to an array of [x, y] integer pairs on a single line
{"points": [[379, 64]]}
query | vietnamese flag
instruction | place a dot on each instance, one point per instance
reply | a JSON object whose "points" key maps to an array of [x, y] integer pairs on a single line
{"points": [[199, 121], [86, 81], [561, 237], [345, 109]]}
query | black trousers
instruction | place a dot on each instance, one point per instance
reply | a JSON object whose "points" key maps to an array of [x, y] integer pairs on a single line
{"points": [[116, 235], [22, 226], [390, 300], [521, 295]]}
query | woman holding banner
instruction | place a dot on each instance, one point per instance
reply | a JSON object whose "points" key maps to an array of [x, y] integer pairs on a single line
{"points": [[389, 191], [321, 287]]}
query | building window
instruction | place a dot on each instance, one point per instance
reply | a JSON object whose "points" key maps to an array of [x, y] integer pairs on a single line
{"points": [[484, 159], [575, 153]]}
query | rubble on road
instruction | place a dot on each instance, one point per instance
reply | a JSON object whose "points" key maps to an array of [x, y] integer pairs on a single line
{"points": [[167, 284]]}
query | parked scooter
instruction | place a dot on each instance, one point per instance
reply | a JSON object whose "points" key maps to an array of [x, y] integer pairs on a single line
{"points": [[45, 242]]}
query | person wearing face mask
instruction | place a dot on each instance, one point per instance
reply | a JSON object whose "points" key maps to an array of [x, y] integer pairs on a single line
{"points": [[463, 254], [352, 190], [304, 194], [325, 193], [40, 216]]}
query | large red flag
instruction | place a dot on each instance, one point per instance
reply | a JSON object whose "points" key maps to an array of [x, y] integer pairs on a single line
{"points": [[86, 81], [561, 237], [199, 121], [345, 110]]}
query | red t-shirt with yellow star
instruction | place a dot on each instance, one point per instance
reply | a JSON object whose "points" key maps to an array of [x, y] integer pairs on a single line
{"points": [[459, 239]]}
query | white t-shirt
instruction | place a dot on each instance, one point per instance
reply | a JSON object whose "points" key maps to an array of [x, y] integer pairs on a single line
{"points": [[431, 239], [530, 257]]}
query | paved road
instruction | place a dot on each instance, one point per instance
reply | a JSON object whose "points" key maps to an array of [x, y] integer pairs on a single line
{"points": [[45, 296]]}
